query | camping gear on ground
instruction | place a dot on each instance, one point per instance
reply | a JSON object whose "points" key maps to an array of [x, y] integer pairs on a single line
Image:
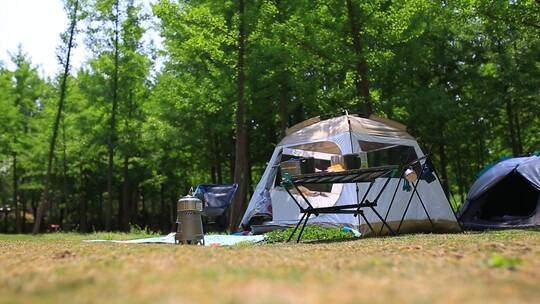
{"points": [[379, 143], [350, 176], [291, 167], [189, 220], [216, 200], [351, 161], [507, 195]]}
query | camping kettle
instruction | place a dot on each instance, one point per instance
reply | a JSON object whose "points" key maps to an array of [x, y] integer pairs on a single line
{"points": [[189, 220]]}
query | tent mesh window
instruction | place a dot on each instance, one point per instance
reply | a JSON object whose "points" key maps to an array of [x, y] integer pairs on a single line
{"points": [[382, 154], [320, 164], [502, 204], [321, 151]]}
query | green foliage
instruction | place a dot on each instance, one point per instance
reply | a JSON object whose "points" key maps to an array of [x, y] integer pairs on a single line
{"points": [[500, 261], [141, 232], [311, 233]]}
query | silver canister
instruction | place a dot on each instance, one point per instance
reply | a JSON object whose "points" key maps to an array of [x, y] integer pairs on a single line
{"points": [[189, 221]]}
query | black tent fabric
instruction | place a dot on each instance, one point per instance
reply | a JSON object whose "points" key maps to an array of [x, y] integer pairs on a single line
{"points": [[505, 196]]}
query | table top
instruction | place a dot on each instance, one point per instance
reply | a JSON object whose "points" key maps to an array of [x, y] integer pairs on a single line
{"points": [[347, 176]]}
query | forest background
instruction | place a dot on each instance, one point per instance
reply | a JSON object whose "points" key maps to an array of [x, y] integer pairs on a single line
{"points": [[137, 125]]}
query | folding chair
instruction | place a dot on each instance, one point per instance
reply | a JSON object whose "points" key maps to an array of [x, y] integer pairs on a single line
{"points": [[216, 200]]}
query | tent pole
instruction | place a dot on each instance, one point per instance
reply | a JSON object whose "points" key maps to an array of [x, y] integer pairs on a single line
{"points": [[350, 131], [352, 151]]}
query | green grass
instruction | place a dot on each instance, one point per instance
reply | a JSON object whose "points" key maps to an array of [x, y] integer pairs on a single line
{"points": [[311, 233], [489, 267]]}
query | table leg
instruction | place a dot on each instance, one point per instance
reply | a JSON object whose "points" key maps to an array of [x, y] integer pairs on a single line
{"points": [[303, 226], [424, 207], [296, 228], [405, 212], [383, 221], [367, 222], [391, 203], [365, 195]]}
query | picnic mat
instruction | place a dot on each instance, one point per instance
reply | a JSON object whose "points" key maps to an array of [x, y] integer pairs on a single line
{"points": [[209, 240]]}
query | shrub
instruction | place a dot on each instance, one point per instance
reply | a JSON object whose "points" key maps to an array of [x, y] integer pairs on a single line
{"points": [[311, 233]]}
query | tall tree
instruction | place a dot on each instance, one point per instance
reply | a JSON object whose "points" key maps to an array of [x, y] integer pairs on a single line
{"points": [[112, 127], [27, 94], [241, 164], [361, 79], [74, 7], [133, 89], [105, 18]]}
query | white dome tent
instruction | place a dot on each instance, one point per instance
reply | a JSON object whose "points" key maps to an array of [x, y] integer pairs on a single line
{"points": [[379, 142]]}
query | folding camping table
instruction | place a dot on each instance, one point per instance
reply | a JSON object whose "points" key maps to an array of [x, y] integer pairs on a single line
{"points": [[368, 175]]}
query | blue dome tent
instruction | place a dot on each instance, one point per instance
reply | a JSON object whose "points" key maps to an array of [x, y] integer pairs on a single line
{"points": [[507, 195]]}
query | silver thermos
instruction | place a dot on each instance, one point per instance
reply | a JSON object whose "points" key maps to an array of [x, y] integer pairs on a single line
{"points": [[189, 221]]}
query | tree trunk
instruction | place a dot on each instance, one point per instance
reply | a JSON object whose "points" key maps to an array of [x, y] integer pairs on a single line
{"points": [[241, 174], [507, 100], [112, 136], [43, 206], [283, 88], [232, 158], [518, 132], [65, 185], [248, 166], [126, 201], [361, 76], [143, 206], [461, 183], [23, 211], [163, 216], [135, 213], [283, 113], [16, 195], [34, 206], [219, 173], [172, 213], [213, 174], [83, 202], [481, 148], [510, 118], [100, 204], [444, 172], [213, 151]]}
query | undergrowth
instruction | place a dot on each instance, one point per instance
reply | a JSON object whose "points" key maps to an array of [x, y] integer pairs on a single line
{"points": [[311, 233]]}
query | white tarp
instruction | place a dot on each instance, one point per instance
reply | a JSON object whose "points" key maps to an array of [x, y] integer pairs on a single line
{"points": [[209, 240]]}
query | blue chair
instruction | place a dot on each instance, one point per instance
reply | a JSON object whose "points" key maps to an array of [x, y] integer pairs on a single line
{"points": [[216, 201]]}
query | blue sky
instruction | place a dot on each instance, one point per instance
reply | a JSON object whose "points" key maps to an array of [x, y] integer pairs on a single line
{"points": [[36, 25]]}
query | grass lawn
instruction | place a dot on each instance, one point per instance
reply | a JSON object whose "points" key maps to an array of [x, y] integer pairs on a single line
{"points": [[497, 266]]}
